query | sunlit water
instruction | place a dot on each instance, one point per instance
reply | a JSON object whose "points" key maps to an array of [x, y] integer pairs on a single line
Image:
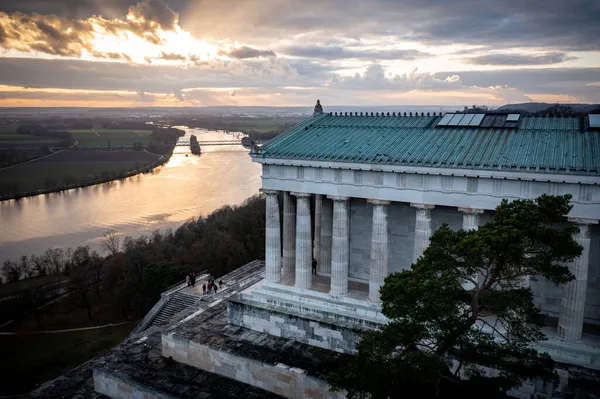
{"points": [[185, 187]]}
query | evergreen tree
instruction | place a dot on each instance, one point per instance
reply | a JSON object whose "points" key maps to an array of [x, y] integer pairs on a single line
{"points": [[465, 306]]}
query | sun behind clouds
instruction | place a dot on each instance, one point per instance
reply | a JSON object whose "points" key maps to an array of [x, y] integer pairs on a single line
{"points": [[175, 45]]}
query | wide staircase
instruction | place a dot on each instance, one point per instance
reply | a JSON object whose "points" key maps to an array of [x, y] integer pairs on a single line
{"points": [[176, 304], [182, 304]]}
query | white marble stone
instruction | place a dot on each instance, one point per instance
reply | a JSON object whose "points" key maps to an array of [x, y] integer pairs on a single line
{"points": [[324, 259], [272, 238], [340, 246], [289, 233], [572, 305], [422, 229], [303, 241], [471, 222], [317, 233], [379, 249]]}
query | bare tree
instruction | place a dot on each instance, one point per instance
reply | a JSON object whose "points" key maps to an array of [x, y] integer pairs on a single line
{"points": [[111, 242]]}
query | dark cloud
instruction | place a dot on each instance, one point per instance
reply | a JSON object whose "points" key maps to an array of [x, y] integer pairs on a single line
{"points": [[147, 16], [70, 37], [519, 59], [172, 56], [559, 81], [568, 25], [3, 35], [96, 75], [244, 52], [335, 53]]}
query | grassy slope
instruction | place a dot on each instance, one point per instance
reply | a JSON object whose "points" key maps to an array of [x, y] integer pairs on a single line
{"points": [[35, 358]]}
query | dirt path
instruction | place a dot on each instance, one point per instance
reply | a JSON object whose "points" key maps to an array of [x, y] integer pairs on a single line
{"points": [[69, 330]]}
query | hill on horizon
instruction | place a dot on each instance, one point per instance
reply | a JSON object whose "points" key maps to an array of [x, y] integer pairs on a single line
{"points": [[540, 107]]}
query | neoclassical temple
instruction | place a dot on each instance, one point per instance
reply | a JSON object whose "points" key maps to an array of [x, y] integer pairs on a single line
{"points": [[362, 193], [353, 197]]}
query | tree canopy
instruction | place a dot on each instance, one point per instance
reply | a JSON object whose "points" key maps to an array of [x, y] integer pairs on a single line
{"points": [[465, 307]]}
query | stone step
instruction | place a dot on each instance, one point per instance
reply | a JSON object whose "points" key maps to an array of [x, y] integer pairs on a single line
{"points": [[316, 305], [181, 301]]}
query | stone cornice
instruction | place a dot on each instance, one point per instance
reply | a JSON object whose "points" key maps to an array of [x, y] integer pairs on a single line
{"points": [[579, 220], [526, 175]]}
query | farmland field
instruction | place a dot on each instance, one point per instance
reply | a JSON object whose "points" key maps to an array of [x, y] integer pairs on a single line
{"points": [[72, 167], [117, 137]]}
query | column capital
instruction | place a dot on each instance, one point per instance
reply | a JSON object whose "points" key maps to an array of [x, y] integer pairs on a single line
{"points": [[269, 192], [338, 198], [300, 195], [582, 220], [378, 201], [422, 206], [470, 211]]}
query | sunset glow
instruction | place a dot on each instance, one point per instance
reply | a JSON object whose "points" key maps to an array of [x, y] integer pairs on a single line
{"points": [[161, 52]]}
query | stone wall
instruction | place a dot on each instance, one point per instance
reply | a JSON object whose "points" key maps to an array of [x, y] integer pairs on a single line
{"points": [[278, 378], [117, 386], [309, 329]]}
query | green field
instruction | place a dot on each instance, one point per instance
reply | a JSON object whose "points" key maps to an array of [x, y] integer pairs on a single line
{"points": [[101, 137], [32, 359], [71, 167]]}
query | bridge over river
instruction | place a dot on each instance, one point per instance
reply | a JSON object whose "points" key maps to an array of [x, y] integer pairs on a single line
{"points": [[217, 142]]}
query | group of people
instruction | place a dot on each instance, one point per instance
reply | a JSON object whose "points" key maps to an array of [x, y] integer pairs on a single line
{"points": [[211, 286], [191, 279]]}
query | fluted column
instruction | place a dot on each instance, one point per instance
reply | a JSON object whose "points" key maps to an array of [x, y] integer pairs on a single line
{"points": [[303, 241], [289, 233], [572, 304], [324, 263], [422, 229], [272, 238], [340, 246], [379, 249], [317, 242], [471, 222]]}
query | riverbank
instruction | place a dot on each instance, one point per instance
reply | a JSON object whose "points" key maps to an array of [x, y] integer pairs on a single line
{"points": [[69, 170]]}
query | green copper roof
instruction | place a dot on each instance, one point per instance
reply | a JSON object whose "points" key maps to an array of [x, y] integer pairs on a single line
{"points": [[539, 144]]}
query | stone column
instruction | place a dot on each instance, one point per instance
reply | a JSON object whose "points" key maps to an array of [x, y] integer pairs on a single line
{"points": [[340, 246], [303, 241], [317, 242], [289, 233], [379, 249], [572, 304], [471, 222], [272, 238], [470, 218], [326, 233], [422, 229]]}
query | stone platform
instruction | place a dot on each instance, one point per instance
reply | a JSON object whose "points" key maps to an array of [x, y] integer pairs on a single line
{"points": [[278, 365]]}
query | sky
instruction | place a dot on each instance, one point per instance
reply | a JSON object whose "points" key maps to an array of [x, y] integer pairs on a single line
{"points": [[121, 53]]}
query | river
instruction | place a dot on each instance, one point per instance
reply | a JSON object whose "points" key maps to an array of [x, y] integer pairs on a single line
{"points": [[187, 186]]}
